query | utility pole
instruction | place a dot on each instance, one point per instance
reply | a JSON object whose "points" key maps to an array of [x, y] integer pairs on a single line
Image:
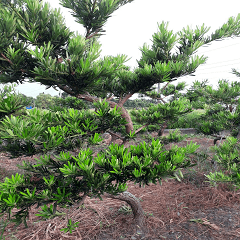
{"points": [[158, 91]]}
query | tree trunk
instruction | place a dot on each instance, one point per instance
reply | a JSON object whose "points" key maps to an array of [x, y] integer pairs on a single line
{"points": [[125, 114], [88, 97], [137, 210], [160, 133]]}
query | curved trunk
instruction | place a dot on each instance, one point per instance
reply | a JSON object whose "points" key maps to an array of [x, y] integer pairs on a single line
{"points": [[137, 210], [125, 114], [88, 97], [164, 126]]}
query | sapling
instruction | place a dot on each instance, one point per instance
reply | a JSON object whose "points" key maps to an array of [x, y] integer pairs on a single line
{"points": [[227, 157]]}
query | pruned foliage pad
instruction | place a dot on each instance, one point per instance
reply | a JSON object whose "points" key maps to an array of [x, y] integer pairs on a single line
{"points": [[65, 179]]}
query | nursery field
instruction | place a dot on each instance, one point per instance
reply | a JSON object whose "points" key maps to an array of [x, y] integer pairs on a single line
{"points": [[190, 209]]}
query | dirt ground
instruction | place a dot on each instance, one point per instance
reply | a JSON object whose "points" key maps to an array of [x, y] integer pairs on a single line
{"points": [[190, 209]]}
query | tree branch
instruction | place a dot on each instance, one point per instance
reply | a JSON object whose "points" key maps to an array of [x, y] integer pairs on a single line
{"points": [[110, 97], [92, 35], [66, 89], [165, 86], [7, 59], [116, 135], [161, 99], [138, 130], [122, 101]]}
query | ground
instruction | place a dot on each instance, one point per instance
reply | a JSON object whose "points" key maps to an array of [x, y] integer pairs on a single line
{"points": [[190, 209]]}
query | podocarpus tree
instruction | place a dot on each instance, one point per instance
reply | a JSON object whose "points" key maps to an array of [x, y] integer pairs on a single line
{"points": [[221, 105], [226, 94], [162, 113], [36, 45]]}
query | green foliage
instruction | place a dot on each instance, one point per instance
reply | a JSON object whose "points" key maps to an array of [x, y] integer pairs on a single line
{"points": [[138, 103], [163, 43], [152, 128], [68, 102], [221, 106], [48, 212], [10, 102], [197, 94], [43, 130], [226, 94], [108, 118], [84, 11], [227, 156], [160, 113], [217, 118], [95, 139], [173, 136], [9, 105], [167, 90], [227, 29], [70, 226], [37, 45], [65, 179], [189, 120], [43, 101]]}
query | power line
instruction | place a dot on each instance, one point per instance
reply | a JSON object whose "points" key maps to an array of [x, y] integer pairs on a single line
{"points": [[219, 47], [217, 67], [213, 72], [238, 59]]}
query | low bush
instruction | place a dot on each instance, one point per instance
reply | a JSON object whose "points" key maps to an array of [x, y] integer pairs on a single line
{"points": [[190, 120]]}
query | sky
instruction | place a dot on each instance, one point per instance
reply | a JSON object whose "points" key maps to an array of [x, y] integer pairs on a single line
{"points": [[134, 24]]}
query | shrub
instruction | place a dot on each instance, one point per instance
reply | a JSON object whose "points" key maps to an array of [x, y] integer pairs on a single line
{"points": [[65, 180]]}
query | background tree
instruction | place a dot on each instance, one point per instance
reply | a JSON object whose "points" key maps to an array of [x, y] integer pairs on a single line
{"points": [[197, 94], [68, 102], [45, 50], [10, 101], [221, 106], [27, 101], [43, 100]]}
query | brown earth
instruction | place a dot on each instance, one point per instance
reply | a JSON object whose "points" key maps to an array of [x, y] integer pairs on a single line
{"points": [[191, 209]]}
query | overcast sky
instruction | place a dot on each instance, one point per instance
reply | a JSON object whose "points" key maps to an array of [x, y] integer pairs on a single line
{"points": [[134, 24]]}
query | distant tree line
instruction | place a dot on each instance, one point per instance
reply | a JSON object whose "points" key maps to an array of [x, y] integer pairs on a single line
{"points": [[55, 103]]}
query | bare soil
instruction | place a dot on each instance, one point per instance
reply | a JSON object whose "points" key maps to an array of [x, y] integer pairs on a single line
{"points": [[191, 209]]}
